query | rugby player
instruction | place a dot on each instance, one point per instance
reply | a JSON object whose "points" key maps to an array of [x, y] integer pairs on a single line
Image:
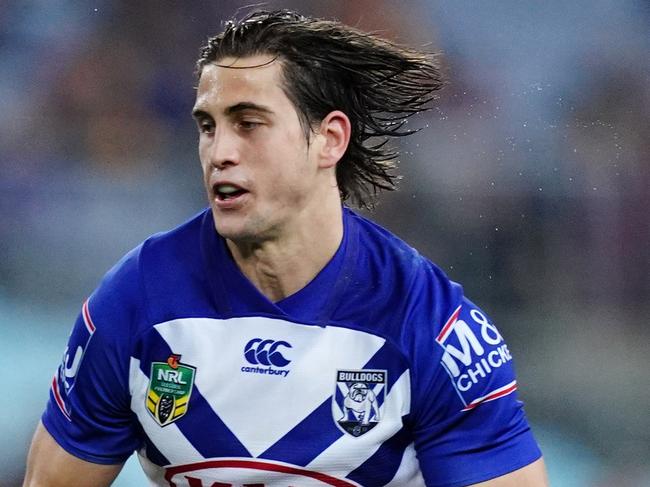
{"points": [[278, 338]]}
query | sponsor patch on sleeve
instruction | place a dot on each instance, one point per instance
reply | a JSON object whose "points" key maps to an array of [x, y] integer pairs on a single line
{"points": [[66, 375], [475, 357]]}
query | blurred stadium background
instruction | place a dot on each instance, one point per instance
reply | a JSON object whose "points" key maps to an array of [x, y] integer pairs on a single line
{"points": [[530, 185]]}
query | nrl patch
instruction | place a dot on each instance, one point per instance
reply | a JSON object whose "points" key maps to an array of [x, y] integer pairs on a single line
{"points": [[358, 402], [170, 386]]}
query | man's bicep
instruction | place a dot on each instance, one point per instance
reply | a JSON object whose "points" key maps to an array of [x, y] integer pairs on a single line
{"points": [[49, 465], [533, 475]]}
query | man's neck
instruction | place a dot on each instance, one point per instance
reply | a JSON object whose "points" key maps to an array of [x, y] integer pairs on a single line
{"points": [[279, 268]]}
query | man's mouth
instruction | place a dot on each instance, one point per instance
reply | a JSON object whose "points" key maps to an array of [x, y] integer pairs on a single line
{"points": [[225, 192]]}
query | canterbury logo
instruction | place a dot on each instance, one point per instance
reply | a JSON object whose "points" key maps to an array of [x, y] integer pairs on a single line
{"points": [[265, 352]]}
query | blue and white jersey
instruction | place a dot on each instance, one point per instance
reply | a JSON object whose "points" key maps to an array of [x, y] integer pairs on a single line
{"points": [[378, 373]]}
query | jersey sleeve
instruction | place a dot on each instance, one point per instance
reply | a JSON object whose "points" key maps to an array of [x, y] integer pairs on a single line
{"points": [[469, 425], [88, 412]]}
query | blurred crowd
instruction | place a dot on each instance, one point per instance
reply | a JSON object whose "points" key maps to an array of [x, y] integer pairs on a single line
{"points": [[529, 182]]}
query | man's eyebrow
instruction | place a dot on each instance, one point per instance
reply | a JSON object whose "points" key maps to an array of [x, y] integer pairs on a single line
{"points": [[245, 105], [198, 113]]}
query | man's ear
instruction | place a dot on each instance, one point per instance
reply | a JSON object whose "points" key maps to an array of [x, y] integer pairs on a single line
{"points": [[334, 132]]}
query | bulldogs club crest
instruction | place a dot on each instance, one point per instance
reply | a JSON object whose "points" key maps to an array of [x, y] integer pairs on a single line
{"points": [[170, 386], [358, 401]]}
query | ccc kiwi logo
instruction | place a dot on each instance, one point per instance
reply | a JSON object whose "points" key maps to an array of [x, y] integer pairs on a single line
{"points": [[259, 351]]}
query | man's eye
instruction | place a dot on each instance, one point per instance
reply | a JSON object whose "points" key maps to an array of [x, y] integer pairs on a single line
{"points": [[248, 124], [206, 127]]}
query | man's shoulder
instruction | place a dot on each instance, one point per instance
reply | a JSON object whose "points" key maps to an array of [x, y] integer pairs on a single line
{"points": [[379, 243], [160, 259], [179, 245], [384, 248], [178, 241], [406, 285]]}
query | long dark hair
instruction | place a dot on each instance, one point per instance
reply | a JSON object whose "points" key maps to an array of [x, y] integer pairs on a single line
{"points": [[329, 66]]}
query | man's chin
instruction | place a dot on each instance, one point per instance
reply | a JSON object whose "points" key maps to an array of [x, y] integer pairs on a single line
{"points": [[235, 233], [242, 229], [230, 233]]}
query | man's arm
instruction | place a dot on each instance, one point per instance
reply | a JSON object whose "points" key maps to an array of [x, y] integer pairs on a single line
{"points": [[533, 475], [49, 465]]}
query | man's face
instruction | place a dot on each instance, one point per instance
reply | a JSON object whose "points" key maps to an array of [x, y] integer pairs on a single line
{"points": [[257, 166]]}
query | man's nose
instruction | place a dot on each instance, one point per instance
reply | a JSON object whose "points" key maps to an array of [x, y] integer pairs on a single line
{"points": [[224, 149]]}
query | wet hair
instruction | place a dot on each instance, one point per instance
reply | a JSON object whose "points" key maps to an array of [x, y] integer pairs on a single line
{"points": [[329, 66]]}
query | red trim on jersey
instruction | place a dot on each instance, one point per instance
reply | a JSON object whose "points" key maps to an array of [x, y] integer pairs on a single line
{"points": [[88, 321], [59, 399], [256, 465], [446, 330], [496, 394]]}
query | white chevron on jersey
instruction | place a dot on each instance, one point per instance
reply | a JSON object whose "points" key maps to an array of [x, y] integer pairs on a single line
{"points": [[349, 451], [169, 440], [216, 348]]}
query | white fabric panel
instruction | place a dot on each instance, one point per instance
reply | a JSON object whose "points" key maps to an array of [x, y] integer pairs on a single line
{"points": [[348, 452], [246, 402]]}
